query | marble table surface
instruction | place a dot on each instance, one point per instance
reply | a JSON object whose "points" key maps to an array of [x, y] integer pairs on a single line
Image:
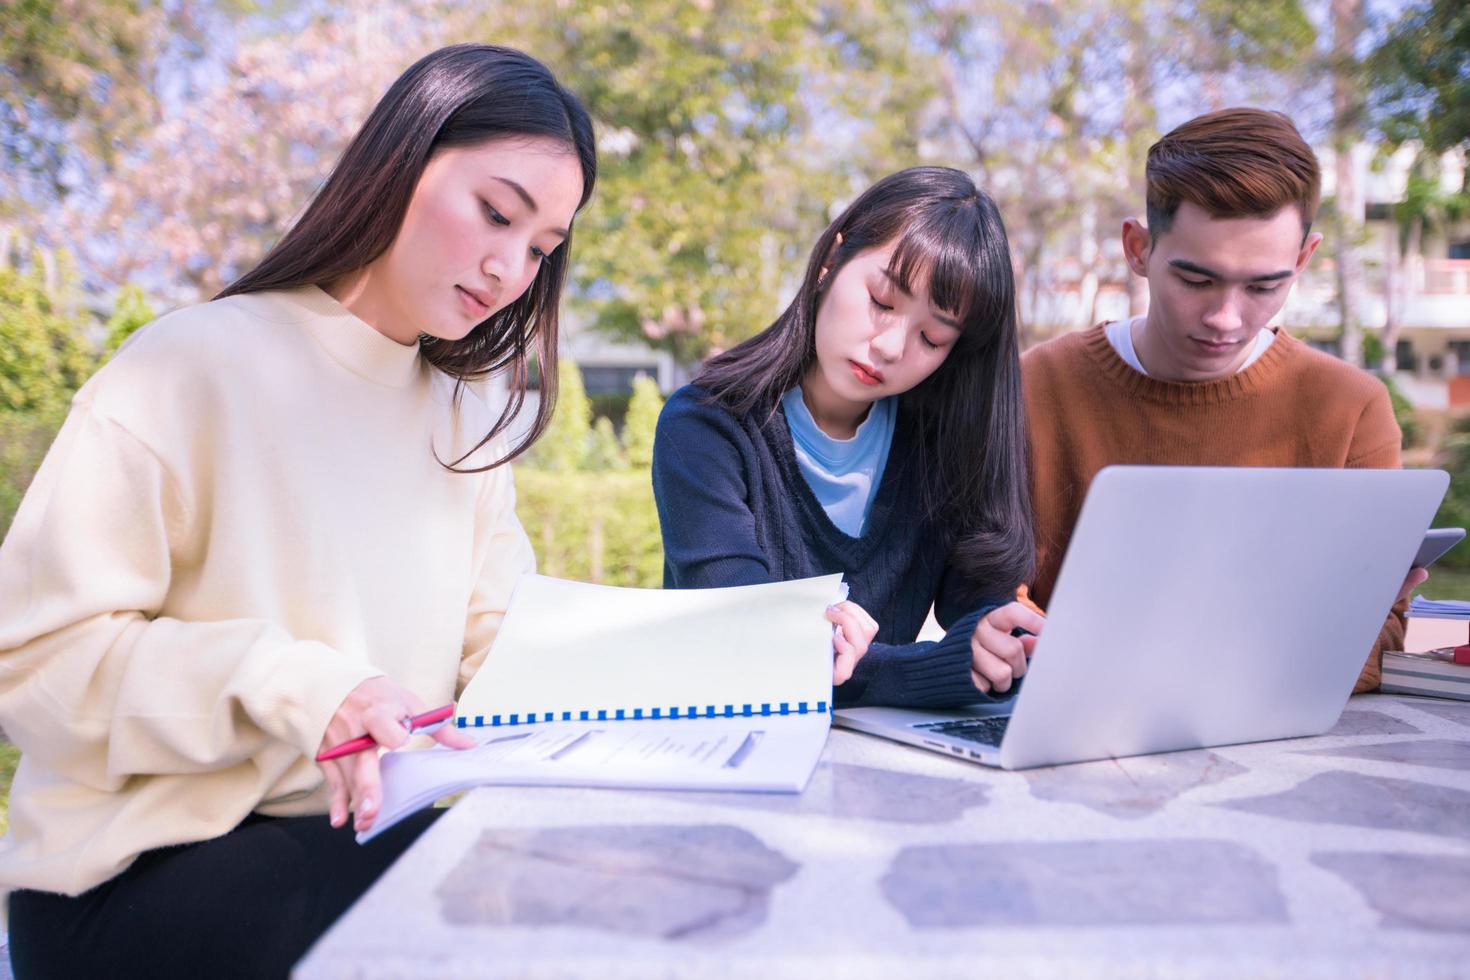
{"points": [[1345, 855]]}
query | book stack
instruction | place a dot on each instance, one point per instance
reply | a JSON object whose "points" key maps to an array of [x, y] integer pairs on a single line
{"points": [[1442, 672]]}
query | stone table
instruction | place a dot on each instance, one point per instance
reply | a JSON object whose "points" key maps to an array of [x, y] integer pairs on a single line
{"points": [[1344, 855]]}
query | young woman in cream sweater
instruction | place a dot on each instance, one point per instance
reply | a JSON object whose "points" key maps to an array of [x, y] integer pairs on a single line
{"points": [[276, 521]]}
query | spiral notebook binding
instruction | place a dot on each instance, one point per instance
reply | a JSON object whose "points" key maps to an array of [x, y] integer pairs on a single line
{"points": [[675, 712]]}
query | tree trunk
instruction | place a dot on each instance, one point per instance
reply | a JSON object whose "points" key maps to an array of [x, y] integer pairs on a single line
{"points": [[1087, 260], [1393, 311], [1402, 287], [1033, 287], [1139, 127], [1347, 114]]}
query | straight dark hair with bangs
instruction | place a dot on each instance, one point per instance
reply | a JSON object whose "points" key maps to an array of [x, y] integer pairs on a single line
{"points": [[973, 445], [457, 96]]}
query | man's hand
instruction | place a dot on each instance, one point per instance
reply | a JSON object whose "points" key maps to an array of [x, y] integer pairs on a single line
{"points": [[1415, 578]]}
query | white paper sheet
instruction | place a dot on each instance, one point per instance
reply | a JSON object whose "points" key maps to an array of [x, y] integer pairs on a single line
{"points": [[574, 647], [775, 754]]}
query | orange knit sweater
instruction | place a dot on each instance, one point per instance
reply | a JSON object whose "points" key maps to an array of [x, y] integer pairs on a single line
{"points": [[1086, 408]]}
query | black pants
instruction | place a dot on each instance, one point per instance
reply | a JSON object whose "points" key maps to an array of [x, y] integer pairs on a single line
{"points": [[248, 904]]}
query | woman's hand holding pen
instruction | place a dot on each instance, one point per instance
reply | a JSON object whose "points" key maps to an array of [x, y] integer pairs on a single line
{"points": [[853, 630], [377, 707], [997, 657]]}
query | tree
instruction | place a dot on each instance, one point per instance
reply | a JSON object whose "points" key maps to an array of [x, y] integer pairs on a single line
{"points": [[1426, 206], [1347, 208], [68, 77], [77, 86], [1054, 104], [1420, 95], [727, 132], [1421, 77], [209, 189]]}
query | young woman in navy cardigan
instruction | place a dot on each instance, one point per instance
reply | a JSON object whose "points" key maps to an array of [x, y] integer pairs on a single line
{"points": [[875, 429]]}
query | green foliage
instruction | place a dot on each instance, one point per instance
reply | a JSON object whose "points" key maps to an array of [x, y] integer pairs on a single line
{"points": [[43, 357], [9, 759], [641, 422], [24, 439], [593, 527], [1374, 352], [1270, 33], [130, 312], [586, 502], [563, 448], [1455, 510], [1421, 85], [722, 136], [1403, 409], [605, 453], [78, 82]]}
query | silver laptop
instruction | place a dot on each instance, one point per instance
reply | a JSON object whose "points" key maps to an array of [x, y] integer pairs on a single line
{"points": [[1197, 606]]}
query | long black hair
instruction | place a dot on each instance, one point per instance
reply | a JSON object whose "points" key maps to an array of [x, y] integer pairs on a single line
{"points": [[973, 452], [456, 96]]}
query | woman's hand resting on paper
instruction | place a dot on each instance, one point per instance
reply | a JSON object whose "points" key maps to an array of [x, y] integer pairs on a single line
{"points": [[377, 707], [998, 659], [853, 630]]}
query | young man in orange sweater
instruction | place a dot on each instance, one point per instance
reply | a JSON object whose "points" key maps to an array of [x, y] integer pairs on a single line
{"points": [[1201, 379]]}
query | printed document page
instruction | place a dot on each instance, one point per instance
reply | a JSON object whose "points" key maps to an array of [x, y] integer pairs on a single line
{"points": [[775, 754], [574, 647]]}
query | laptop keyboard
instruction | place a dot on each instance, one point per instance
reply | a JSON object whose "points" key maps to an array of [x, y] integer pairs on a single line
{"points": [[986, 731]]}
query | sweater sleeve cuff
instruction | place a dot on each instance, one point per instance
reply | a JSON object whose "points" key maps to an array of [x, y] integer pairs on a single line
{"points": [[920, 675], [295, 696]]}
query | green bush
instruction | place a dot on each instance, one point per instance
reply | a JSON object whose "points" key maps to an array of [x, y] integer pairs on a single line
{"points": [[1455, 510], [1403, 412], [1373, 350], [44, 356], [593, 527], [605, 452], [564, 447], [638, 429], [24, 439], [130, 311], [9, 759]]}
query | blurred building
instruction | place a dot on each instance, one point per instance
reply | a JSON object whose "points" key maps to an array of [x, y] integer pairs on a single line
{"points": [[1417, 280]]}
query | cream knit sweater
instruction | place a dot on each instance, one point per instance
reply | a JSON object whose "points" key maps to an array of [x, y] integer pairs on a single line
{"points": [[241, 520]]}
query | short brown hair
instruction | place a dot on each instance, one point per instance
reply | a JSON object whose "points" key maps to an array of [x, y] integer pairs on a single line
{"points": [[1233, 163]]}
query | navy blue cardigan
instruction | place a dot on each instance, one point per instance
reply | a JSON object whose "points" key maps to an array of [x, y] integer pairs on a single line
{"points": [[735, 510]]}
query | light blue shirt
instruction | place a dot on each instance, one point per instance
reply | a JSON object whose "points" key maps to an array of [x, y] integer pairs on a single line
{"points": [[843, 473]]}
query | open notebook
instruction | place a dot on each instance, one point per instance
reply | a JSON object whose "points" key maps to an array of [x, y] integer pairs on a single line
{"points": [[589, 685]]}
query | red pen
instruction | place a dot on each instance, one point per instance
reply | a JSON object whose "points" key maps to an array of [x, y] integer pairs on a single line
{"points": [[426, 722]]}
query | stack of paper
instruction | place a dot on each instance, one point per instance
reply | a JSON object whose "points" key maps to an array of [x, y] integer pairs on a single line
{"points": [[1422, 608]]}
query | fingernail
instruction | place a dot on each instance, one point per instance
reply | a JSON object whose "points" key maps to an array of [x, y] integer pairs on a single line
{"points": [[367, 807]]}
